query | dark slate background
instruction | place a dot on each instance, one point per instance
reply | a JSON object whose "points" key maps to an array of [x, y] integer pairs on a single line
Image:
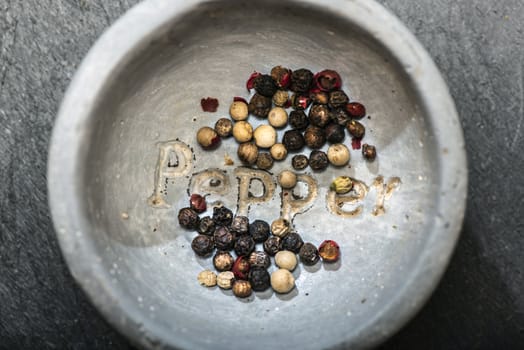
{"points": [[477, 44]]}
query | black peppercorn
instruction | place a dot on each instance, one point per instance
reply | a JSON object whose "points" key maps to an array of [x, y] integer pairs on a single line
{"points": [[309, 254], [259, 230], [300, 102], [240, 225], [340, 116], [314, 137], [335, 133], [224, 238], [338, 99], [224, 127], [298, 120], [188, 218], [265, 85], [259, 279], [301, 80], [259, 259], [318, 160], [369, 152], [206, 226], [292, 242], [293, 140], [319, 97], [319, 115], [202, 245], [222, 216], [299, 162], [264, 161], [356, 129], [244, 245], [259, 105], [272, 245], [223, 261]]}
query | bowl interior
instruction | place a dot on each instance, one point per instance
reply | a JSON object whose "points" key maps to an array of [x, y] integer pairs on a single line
{"points": [[142, 160]]}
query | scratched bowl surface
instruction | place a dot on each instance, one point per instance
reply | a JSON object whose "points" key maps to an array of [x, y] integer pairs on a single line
{"points": [[124, 158]]}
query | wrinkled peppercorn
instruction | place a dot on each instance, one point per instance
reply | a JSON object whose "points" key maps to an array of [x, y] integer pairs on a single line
{"points": [[202, 245], [300, 102], [356, 110], [280, 227], [264, 161], [338, 99], [259, 279], [206, 226], [309, 254], [259, 230], [272, 245], [259, 259], [356, 129], [244, 245], [259, 106], [319, 115], [240, 225], [301, 80], [298, 120], [223, 261], [224, 238], [241, 268], [299, 162], [224, 127], [319, 97], [241, 288], [314, 137], [293, 140], [281, 76], [329, 251], [280, 98], [340, 116], [222, 216], [188, 218], [335, 133], [292, 242], [369, 152], [318, 160], [265, 85]]}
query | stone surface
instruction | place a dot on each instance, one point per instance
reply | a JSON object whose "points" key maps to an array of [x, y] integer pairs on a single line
{"points": [[477, 44]]}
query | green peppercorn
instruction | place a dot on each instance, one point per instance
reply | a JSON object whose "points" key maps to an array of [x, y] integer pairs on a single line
{"points": [[301, 80], [259, 106], [356, 129], [369, 152], [265, 85], [240, 225], [335, 133], [309, 254], [314, 137], [299, 162], [319, 115], [222, 216], [292, 242], [259, 279], [224, 238], [298, 120], [264, 161], [259, 230], [188, 218], [341, 185], [338, 99], [223, 261], [206, 226], [272, 245], [202, 245], [318, 160], [293, 140], [244, 245]]}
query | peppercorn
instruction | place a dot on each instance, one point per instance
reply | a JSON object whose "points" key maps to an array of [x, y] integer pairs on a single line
{"points": [[314, 137], [241, 288], [224, 127], [286, 259], [282, 281], [281, 76], [299, 162], [356, 110], [197, 203], [240, 225], [318, 160], [293, 140], [265, 136], [369, 152], [329, 251], [277, 117], [278, 151], [208, 138], [335, 133], [301, 80], [272, 245], [287, 179], [259, 279], [309, 254], [244, 245], [202, 245], [259, 230], [280, 227], [225, 279], [265, 85], [259, 105], [356, 129], [341, 185], [207, 278], [224, 238], [222, 216], [264, 161], [188, 218], [300, 101], [248, 153], [238, 110], [319, 115], [319, 97], [292, 242], [338, 154], [298, 120], [328, 80], [259, 259], [338, 99], [241, 268], [340, 116], [223, 261], [280, 98], [242, 131], [206, 226]]}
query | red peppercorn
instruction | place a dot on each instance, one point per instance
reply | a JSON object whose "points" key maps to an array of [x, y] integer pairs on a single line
{"points": [[356, 110], [329, 251], [251, 80], [241, 268], [209, 104], [198, 203], [328, 80]]}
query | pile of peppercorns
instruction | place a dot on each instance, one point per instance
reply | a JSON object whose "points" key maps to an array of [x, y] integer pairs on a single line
{"points": [[322, 112], [248, 271]]}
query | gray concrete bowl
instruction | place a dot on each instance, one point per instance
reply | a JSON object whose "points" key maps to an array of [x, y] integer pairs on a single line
{"points": [[123, 158]]}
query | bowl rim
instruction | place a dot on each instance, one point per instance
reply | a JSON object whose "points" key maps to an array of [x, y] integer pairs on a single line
{"points": [[131, 32]]}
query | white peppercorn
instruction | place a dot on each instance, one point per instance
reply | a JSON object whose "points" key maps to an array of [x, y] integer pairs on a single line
{"points": [[225, 279], [248, 153], [338, 154], [287, 179], [265, 136], [278, 151], [242, 131], [207, 278], [282, 281], [277, 117], [286, 260], [238, 110]]}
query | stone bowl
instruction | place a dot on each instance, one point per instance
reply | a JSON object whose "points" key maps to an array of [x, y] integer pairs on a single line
{"points": [[124, 158]]}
